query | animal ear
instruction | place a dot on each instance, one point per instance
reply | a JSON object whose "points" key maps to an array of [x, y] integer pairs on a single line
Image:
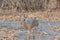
{"points": [[24, 19]]}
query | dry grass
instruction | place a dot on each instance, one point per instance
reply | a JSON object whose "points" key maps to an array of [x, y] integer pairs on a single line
{"points": [[56, 28], [7, 34], [9, 18], [56, 38], [35, 8], [53, 16]]}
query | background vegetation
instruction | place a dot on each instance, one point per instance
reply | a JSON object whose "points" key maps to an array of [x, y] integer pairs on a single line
{"points": [[29, 4]]}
